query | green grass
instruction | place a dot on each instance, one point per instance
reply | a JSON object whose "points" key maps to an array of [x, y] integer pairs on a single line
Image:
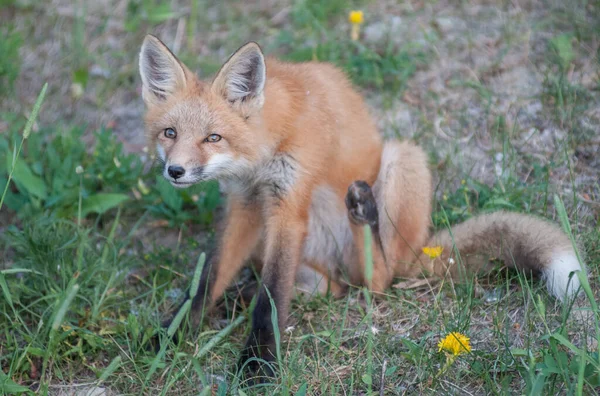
{"points": [[93, 260]]}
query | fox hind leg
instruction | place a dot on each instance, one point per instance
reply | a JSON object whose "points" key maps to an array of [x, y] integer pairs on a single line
{"points": [[403, 192], [362, 210]]}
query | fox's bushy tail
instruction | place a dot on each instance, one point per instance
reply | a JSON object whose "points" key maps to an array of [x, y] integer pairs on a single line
{"points": [[520, 241]]}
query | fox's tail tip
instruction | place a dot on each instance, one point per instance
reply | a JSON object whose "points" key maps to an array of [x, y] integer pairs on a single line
{"points": [[558, 278]]}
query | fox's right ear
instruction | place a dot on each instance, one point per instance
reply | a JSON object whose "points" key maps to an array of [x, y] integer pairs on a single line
{"points": [[162, 73]]}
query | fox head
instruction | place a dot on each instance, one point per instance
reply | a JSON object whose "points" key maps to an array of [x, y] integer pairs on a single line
{"points": [[203, 130]]}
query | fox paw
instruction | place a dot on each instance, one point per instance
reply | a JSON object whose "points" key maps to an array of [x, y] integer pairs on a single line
{"points": [[362, 208], [254, 369]]}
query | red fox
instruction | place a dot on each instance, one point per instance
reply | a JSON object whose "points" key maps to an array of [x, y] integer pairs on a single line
{"points": [[304, 169]]}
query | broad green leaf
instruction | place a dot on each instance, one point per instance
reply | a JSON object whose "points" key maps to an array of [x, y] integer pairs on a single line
{"points": [[366, 378], [170, 196], [25, 178], [100, 203], [10, 387]]}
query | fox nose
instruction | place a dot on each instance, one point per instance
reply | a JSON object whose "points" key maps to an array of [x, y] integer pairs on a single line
{"points": [[176, 171]]}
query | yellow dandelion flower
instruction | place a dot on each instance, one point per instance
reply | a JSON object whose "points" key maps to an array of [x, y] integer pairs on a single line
{"points": [[356, 17], [433, 251], [455, 343]]}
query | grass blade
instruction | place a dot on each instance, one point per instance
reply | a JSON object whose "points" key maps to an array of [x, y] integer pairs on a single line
{"points": [[219, 336], [368, 254], [185, 308], [62, 311], [114, 365], [197, 274], [6, 292], [275, 322]]}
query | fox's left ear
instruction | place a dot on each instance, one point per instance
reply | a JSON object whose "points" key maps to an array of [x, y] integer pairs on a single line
{"points": [[242, 78]]}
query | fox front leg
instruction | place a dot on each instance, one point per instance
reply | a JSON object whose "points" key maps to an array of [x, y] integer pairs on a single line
{"points": [[286, 231]]}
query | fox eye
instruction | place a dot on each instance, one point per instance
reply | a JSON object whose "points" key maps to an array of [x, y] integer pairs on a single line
{"points": [[170, 133], [213, 138]]}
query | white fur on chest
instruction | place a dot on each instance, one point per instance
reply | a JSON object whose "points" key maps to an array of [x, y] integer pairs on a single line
{"points": [[329, 233]]}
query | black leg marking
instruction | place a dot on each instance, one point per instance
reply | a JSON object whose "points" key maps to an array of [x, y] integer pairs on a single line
{"points": [[260, 344], [362, 208]]}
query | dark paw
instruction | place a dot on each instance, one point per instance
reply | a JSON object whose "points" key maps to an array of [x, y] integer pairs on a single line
{"points": [[362, 208], [256, 365]]}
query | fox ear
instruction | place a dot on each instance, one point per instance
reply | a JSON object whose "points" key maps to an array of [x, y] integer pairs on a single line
{"points": [[242, 77], [162, 73]]}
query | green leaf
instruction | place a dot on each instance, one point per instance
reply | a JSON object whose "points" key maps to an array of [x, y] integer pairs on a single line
{"points": [[564, 49], [112, 367], [390, 370], [366, 378], [551, 366], [62, 310], [519, 352], [10, 387], [81, 76], [498, 203], [25, 178], [170, 196], [100, 203], [36, 351], [302, 390], [538, 385]]}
